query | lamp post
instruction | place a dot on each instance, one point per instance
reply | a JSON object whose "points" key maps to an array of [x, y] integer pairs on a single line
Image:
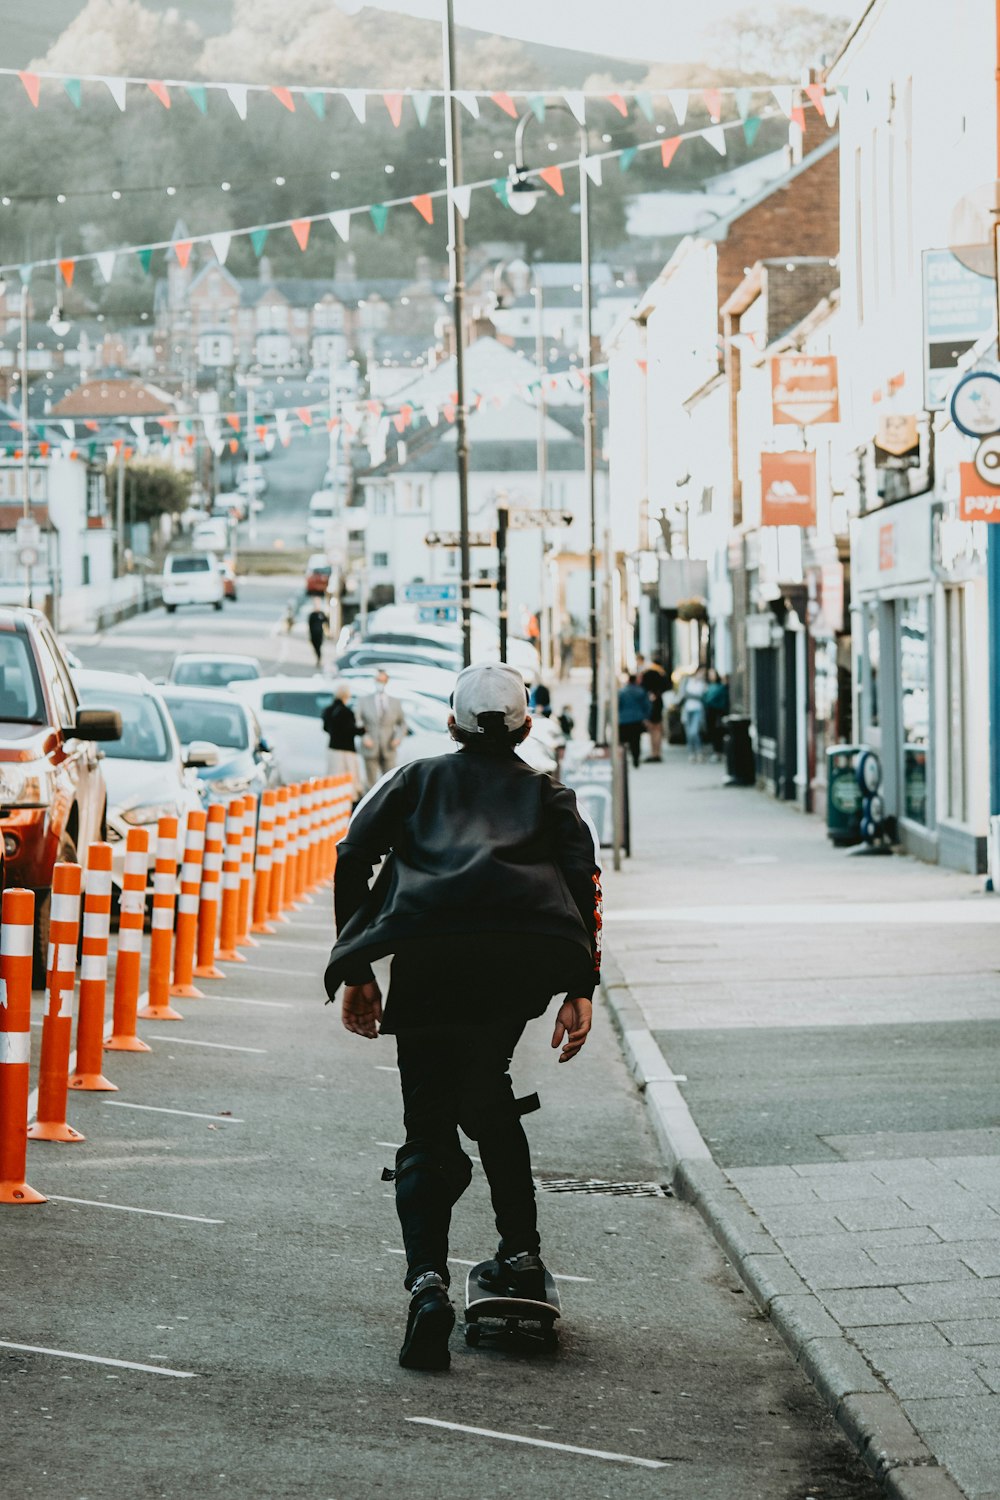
{"points": [[456, 270], [25, 430], [250, 382], [522, 194]]}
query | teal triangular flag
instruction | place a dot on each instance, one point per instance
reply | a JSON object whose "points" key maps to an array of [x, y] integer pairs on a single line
{"points": [[500, 188], [843, 90], [645, 103], [751, 125], [91, 451], [537, 106], [198, 95], [744, 99], [258, 239], [145, 259], [602, 376], [74, 89], [627, 157], [421, 105], [379, 214], [316, 101]]}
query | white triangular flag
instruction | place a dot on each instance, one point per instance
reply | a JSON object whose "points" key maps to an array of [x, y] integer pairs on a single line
{"points": [[471, 102], [341, 221], [594, 168], [831, 108], [678, 103], [432, 414], [106, 263], [138, 426], [220, 246], [219, 448], [462, 199], [238, 98], [269, 441], [69, 428], [116, 88], [112, 453], [283, 425], [783, 95], [577, 103], [358, 101], [716, 136]]}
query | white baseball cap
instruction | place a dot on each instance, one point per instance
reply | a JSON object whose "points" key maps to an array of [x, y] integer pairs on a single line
{"points": [[489, 687]]}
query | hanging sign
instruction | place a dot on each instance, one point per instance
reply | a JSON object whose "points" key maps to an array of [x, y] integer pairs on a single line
{"points": [[959, 307], [978, 501], [788, 489], [897, 442], [804, 389], [975, 404]]}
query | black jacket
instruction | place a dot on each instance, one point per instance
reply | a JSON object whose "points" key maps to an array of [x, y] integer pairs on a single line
{"points": [[340, 725], [476, 843]]}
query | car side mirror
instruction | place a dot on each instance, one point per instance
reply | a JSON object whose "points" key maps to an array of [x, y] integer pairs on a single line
{"points": [[201, 755], [98, 724], [264, 746]]}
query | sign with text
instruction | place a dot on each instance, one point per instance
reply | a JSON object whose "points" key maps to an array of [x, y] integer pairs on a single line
{"points": [[430, 593], [959, 307], [804, 389], [897, 442], [978, 501], [788, 489], [437, 614], [454, 539]]}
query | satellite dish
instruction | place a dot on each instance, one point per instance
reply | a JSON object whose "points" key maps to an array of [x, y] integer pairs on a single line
{"points": [[970, 236]]}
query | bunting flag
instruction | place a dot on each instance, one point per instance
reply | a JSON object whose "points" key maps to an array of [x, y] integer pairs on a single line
{"points": [[316, 100], [627, 157], [394, 104], [304, 415], [743, 99], [798, 116], [468, 101], [784, 98], [505, 102], [379, 216], [817, 94], [237, 93], [284, 96], [500, 188], [831, 109], [751, 125], [196, 93], [32, 86], [577, 103], [74, 91], [258, 239], [220, 245], [669, 148], [234, 445], [145, 259], [159, 91], [341, 222], [424, 204], [716, 137], [553, 177], [116, 87], [537, 106], [66, 269], [182, 250], [300, 229], [357, 99], [679, 104], [644, 102], [233, 420], [713, 103], [594, 168], [462, 199], [617, 102], [421, 101], [106, 263]]}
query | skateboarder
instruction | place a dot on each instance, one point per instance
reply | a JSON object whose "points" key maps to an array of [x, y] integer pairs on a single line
{"points": [[489, 901]]}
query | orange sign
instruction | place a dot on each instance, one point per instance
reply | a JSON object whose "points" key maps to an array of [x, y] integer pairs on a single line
{"points": [[804, 389], [788, 489], [978, 501]]}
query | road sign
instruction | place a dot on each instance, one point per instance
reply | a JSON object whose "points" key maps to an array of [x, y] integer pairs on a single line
{"points": [[454, 539], [438, 614], [959, 307], [975, 404], [27, 532], [430, 593], [27, 557], [526, 520]]}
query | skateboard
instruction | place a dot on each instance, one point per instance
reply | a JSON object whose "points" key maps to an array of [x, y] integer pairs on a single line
{"points": [[488, 1315]]}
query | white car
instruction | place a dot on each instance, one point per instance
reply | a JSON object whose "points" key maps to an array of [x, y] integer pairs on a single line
{"points": [[257, 487], [210, 536], [322, 508], [401, 624], [211, 669], [192, 579], [146, 773]]}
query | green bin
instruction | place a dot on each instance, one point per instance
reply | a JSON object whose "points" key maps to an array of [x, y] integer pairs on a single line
{"points": [[843, 794]]}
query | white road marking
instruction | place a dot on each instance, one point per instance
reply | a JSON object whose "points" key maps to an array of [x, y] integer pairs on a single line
{"points": [[456, 1260], [242, 1000], [513, 1437], [385, 1068], [97, 1359], [159, 1109], [822, 914], [158, 1213], [190, 1041], [270, 942], [286, 973]]}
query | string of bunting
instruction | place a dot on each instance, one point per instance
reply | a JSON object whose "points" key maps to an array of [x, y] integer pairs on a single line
{"points": [[315, 98], [220, 241]]}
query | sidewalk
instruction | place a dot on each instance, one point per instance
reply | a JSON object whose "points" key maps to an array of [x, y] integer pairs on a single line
{"points": [[827, 1027]]}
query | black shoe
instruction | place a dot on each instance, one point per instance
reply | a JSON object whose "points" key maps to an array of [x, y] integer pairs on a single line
{"points": [[515, 1276], [430, 1321]]}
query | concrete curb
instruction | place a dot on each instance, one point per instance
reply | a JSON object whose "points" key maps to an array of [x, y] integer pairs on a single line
{"points": [[860, 1402]]}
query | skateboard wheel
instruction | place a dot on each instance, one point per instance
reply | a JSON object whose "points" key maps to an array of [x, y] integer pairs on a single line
{"points": [[473, 1333]]}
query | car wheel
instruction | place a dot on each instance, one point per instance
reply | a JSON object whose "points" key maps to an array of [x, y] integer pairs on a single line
{"points": [[43, 918], [218, 604], [170, 608]]}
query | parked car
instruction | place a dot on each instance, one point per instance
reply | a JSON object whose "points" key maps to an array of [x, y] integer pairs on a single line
{"points": [[147, 774], [210, 670], [210, 536], [53, 798], [318, 571], [245, 762], [258, 487], [322, 508], [191, 579], [371, 654], [400, 624], [230, 507]]}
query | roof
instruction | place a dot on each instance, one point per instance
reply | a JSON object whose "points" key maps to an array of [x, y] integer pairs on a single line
{"points": [[720, 229], [95, 680], [114, 398]]}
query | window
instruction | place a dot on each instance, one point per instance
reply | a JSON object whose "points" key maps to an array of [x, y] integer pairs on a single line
{"points": [[187, 565], [914, 682], [62, 695], [272, 315], [96, 492], [380, 559], [20, 698], [452, 560], [222, 724], [304, 705], [144, 734], [379, 506]]}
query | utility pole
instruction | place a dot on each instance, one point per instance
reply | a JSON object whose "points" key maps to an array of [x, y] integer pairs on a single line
{"points": [[993, 556], [502, 517], [544, 612], [456, 269], [120, 506], [25, 430]]}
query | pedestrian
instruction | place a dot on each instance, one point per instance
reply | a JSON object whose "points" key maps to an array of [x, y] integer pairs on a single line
{"points": [[633, 715], [342, 758], [693, 713], [382, 725], [716, 708], [567, 723], [567, 636], [653, 678], [317, 623], [484, 858], [541, 700]]}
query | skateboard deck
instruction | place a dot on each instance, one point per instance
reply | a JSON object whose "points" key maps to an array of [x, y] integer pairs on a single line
{"points": [[490, 1315]]}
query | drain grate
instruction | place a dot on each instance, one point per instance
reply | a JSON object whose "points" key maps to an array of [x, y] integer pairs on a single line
{"points": [[609, 1189]]}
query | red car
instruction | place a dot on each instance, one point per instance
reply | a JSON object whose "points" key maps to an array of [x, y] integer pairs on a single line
{"points": [[318, 573], [53, 801]]}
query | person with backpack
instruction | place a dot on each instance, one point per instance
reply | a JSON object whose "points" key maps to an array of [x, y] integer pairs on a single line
{"points": [[489, 901]]}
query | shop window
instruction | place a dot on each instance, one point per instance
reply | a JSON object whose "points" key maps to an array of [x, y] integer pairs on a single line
{"points": [[914, 682], [380, 559]]}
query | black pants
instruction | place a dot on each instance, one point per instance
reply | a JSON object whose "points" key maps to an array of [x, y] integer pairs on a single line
{"points": [[631, 737]]}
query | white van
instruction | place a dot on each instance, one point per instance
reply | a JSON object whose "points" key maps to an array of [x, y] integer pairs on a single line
{"points": [[190, 578], [321, 513]]}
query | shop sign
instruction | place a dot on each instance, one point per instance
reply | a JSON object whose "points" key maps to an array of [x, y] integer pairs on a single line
{"points": [[959, 307], [897, 442], [891, 547], [788, 489], [831, 593], [978, 501], [975, 404], [804, 389], [682, 578]]}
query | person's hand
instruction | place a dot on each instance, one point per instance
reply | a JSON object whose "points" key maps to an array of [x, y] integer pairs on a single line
{"points": [[368, 742], [362, 1008], [572, 1024]]}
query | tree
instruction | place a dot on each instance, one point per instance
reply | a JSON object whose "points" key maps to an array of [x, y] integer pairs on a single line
{"points": [[778, 42], [153, 489]]}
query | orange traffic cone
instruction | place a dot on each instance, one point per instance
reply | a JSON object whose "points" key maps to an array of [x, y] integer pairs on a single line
{"points": [[57, 1027], [248, 850], [208, 907], [158, 1007], [232, 859], [94, 973], [265, 852], [16, 930], [186, 930], [276, 894], [132, 913]]}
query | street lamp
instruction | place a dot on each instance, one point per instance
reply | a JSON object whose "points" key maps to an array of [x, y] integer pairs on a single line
{"points": [[522, 194]]}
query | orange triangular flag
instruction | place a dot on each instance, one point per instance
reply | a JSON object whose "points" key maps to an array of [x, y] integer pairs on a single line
{"points": [[798, 117], [233, 420], [816, 93], [160, 90], [67, 267], [399, 422], [128, 454], [424, 204], [619, 104], [74, 453], [300, 229], [43, 449], [262, 431], [90, 426], [449, 411], [31, 83], [553, 176], [182, 249], [304, 415], [394, 104], [505, 102], [668, 149], [284, 97], [713, 103]]}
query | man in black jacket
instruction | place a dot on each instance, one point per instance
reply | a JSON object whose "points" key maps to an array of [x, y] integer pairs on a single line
{"points": [[489, 901]]}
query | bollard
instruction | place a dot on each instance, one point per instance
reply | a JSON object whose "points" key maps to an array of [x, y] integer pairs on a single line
{"points": [[186, 929], [208, 906], [249, 849], [316, 831], [232, 858], [93, 973], [57, 1027], [276, 891], [132, 912], [291, 845], [16, 931], [265, 851], [158, 1007]]}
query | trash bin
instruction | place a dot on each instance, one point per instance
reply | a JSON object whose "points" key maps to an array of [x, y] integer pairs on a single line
{"points": [[844, 796], [741, 769]]}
